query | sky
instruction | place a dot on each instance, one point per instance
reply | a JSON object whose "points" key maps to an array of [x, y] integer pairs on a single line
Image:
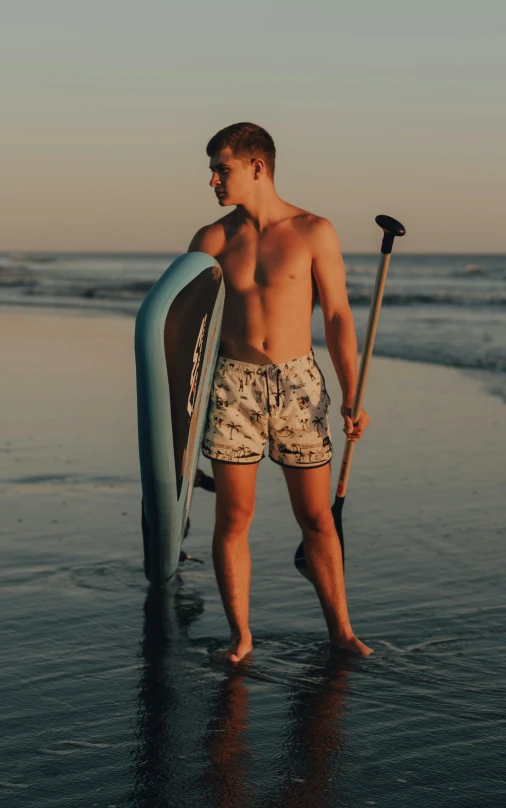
{"points": [[396, 108]]}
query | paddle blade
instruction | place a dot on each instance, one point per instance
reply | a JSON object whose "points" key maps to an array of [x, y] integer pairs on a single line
{"points": [[337, 511], [203, 480], [145, 540], [300, 559]]}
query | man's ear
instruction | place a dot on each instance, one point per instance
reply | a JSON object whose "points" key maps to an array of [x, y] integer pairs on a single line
{"points": [[258, 167]]}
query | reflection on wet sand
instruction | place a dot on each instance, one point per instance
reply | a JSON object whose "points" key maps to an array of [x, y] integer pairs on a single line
{"points": [[158, 765], [194, 720], [314, 742], [315, 739], [229, 780]]}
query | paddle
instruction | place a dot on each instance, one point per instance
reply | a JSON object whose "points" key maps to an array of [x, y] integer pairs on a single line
{"points": [[391, 228]]}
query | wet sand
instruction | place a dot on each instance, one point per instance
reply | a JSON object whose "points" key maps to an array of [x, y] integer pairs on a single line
{"points": [[109, 696]]}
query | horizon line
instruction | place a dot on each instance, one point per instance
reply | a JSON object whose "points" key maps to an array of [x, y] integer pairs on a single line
{"points": [[182, 252]]}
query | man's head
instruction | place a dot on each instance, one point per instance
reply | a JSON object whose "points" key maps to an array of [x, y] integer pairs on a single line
{"points": [[242, 157]]}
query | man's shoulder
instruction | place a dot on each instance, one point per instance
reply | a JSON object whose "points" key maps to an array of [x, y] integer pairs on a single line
{"points": [[313, 226], [212, 237]]}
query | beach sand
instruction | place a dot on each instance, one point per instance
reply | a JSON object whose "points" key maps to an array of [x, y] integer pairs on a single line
{"points": [[109, 697]]}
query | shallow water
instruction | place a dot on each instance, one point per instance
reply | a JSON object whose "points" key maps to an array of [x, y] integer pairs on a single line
{"points": [[109, 697]]}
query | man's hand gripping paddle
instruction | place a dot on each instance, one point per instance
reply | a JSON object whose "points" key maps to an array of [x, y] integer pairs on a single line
{"points": [[391, 228]]}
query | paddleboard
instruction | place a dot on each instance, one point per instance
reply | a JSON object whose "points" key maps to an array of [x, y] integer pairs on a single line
{"points": [[177, 337]]}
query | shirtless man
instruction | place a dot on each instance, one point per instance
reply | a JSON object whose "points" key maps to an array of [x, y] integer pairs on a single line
{"points": [[276, 258]]}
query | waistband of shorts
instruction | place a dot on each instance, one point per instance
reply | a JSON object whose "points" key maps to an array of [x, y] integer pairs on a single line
{"points": [[300, 361]]}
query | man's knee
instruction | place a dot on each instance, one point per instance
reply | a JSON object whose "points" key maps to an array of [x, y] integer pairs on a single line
{"points": [[315, 521], [232, 519]]}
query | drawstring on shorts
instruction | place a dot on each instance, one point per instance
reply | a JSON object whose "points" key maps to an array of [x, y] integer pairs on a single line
{"points": [[278, 390]]}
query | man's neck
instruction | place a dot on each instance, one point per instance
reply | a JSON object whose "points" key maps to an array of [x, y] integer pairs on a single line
{"points": [[263, 211]]}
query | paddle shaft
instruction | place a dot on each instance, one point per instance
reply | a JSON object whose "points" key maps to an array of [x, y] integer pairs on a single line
{"points": [[391, 229], [365, 361]]}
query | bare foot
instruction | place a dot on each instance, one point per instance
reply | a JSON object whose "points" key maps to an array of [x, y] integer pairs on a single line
{"points": [[239, 647], [351, 644]]}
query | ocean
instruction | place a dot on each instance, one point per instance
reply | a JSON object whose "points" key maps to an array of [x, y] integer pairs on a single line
{"points": [[446, 309]]}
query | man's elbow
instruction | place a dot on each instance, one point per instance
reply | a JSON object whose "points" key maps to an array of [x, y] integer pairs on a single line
{"points": [[338, 317]]}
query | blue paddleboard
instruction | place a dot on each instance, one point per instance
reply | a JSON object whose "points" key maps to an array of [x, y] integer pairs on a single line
{"points": [[177, 337]]}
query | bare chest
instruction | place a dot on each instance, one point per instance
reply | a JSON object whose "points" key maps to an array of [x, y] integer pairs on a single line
{"points": [[274, 261]]}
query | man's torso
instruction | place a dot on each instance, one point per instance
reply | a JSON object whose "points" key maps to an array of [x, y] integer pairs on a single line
{"points": [[269, 286]]}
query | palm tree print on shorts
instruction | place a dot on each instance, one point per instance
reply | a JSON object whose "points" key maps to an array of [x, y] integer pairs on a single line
{"points": [[244, 451], [255, 416], [233, 427], [318, 422]]}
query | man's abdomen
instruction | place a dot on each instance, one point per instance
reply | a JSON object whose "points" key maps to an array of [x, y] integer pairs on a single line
{"points": [[267, 326]]}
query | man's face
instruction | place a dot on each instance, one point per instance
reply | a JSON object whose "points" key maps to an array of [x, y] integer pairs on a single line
{"points": [[232, 178]]}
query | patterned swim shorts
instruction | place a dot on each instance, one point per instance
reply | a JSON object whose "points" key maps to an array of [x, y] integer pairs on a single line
{"points": [[287, 404]]}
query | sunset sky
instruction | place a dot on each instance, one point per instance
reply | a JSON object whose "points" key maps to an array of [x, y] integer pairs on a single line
{"points": [[390, 107]]}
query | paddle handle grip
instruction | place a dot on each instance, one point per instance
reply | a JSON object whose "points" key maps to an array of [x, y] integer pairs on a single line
{"points": [[365, 361]]}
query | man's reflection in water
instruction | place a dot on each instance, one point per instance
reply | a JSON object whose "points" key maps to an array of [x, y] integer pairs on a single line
{"points": [[159, 777], [192, 744], [314, 743], [316, 739], [229, 754]]}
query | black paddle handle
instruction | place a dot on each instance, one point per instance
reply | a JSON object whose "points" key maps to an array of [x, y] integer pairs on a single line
{"points": [[391, 228]]}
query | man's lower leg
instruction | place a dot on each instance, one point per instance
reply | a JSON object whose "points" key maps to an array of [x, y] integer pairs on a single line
{"points": [[325, 565], [232, 564]]}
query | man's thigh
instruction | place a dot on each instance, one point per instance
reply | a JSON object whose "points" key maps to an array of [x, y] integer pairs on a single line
{"points": [[235, 490], [309, 490]]}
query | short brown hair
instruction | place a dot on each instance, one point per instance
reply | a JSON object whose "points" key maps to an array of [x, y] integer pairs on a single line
{"points": [[245, 140]]}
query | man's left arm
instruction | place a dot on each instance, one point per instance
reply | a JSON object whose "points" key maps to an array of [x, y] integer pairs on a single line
{"points": [[330, 277]]}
